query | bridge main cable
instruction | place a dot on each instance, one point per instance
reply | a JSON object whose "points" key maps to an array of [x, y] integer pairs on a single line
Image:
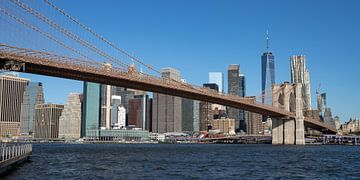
{"points": [[100, 37], [68, 33]]}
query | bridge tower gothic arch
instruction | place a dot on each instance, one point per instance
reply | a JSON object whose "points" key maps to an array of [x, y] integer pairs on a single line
{"points": [[287, 130]]}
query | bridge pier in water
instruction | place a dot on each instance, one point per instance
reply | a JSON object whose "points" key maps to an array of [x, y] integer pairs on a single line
{"points": [[285, 130], [288, 131]]}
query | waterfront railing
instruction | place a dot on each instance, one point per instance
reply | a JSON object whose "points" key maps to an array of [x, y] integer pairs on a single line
{"points": [[8, 152]]}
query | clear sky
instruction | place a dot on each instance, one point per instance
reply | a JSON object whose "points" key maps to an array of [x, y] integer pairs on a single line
{"points": [[206, 35]]}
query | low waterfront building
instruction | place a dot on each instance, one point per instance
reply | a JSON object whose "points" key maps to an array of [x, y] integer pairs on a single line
{"points": [[157, 137], [46, 124], [117, 135]]}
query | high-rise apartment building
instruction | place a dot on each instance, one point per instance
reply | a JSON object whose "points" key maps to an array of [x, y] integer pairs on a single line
{"points": [[91, 108], [267, 73], [217, 78], [206, 114], [300, 74], [12, 89], [206, 109], [70, 119], [254, 125], [236, 86], [33, 95], [46, 125], [167, 110]]}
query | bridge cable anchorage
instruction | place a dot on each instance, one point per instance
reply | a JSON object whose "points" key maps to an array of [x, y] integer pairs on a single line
{"points": [[68, 33], [88, 29]]}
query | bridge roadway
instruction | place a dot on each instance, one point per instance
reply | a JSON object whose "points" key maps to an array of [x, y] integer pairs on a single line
{"points": [[44, 63]]}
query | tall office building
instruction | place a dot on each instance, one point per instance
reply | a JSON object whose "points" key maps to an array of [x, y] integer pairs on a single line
{"points": [[236, 86], [91, 108], [105, 101], [33, 95], [267, 74], [46, 125], [167, 110], [70, 119], [126, 94], [212, 86], [217, 78], [190, 115], [300, 74], [140, 109], [12, 89], [171, 73], [242, 93], [118, 120], [321, 100]]}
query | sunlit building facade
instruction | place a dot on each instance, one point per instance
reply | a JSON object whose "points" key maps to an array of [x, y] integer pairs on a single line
{"points": [[12, 90]]}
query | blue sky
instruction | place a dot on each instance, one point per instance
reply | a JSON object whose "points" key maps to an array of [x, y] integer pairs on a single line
{"points": [[206, 35]]}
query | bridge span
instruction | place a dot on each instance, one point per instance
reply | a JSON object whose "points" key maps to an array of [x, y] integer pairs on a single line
{"points": [[36, 28], [43, 63]]}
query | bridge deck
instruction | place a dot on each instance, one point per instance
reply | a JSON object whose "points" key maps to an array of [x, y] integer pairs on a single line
{"points": [[44, 63]]}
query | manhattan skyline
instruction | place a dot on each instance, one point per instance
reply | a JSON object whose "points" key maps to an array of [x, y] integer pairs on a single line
{"points": [[199, 37]]}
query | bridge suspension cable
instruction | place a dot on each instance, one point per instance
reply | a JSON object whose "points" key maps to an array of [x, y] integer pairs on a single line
{"points": [[68, 33], [47, 35], [88, 29]]}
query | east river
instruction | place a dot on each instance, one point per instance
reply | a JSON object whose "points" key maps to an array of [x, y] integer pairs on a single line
{"points": [[189, 161]]}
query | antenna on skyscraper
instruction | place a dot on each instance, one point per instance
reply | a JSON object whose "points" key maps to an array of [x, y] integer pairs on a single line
{"points": [[318, 89], [267, 41]]}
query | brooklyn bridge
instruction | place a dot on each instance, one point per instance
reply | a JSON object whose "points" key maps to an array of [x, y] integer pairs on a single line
{"points": [[38, 37]]}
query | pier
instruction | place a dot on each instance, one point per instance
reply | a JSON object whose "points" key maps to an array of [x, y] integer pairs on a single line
{"points": [[345, 140], [11, 155]]}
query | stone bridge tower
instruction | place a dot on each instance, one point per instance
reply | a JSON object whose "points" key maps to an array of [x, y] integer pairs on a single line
{"points": [[288, 130]]}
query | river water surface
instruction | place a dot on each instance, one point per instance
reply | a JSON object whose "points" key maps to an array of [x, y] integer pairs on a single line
{"points": [[189, 161]]}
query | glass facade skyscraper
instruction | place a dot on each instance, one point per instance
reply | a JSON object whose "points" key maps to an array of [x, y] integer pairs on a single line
{"points": [[218, 78], [33, 95], [267, 74], [91, 108]]}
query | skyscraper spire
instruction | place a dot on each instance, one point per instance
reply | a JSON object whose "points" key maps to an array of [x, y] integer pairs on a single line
{"points": [[267, 41]]}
